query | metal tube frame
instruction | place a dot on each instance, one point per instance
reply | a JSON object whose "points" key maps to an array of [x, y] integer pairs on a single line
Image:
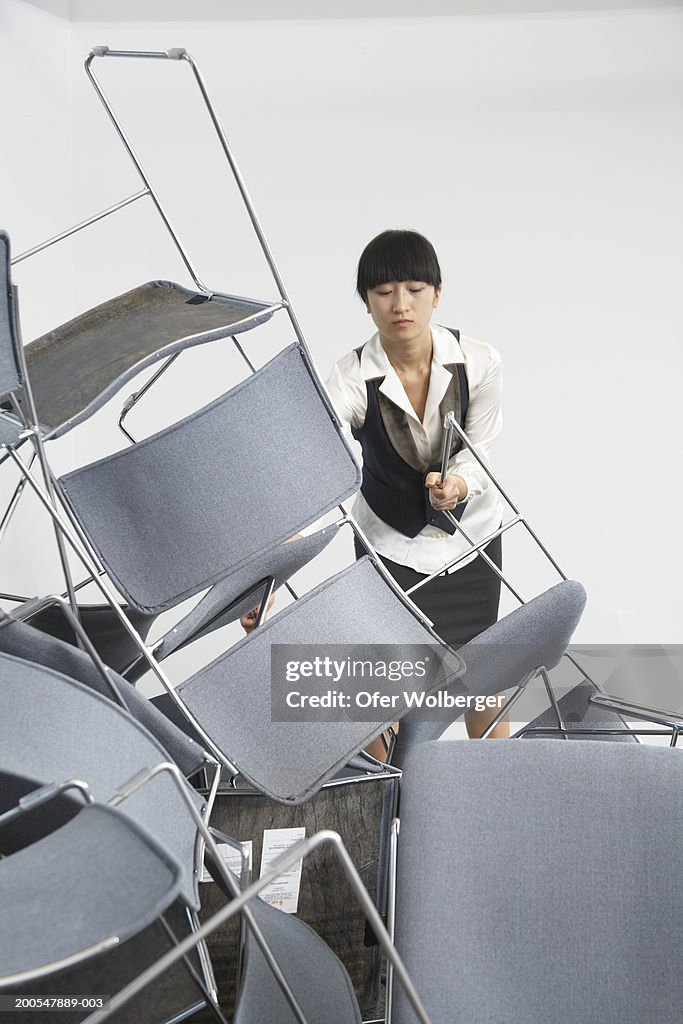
{"points": [[14, 500], [391, 914], [453, 422], [671, 720], [244, 881], [38, 797], [181, 55], [80, 226], [30, 608], [597, 731], [210, 997], [510, 703]]}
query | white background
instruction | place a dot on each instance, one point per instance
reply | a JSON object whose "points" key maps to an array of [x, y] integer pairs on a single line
{"points": [[540, 150]]}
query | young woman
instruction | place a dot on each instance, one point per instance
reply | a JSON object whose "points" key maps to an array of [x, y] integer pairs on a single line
{"points": [[394, 391]]}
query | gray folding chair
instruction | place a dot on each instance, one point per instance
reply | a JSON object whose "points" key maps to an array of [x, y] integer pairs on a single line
{"points": [[72, 923], [54, 727], [70, 880], [528, 641], [537, 882], [178, 511], [165, 525], [36, 888]]}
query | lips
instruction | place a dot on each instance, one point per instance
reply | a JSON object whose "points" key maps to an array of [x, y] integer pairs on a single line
{"points": [[402, 323]]}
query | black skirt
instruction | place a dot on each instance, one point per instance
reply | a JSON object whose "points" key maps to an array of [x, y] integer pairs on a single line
{"points": [[461, 604]]}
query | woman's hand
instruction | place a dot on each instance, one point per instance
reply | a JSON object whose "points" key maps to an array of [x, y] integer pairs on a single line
{"points": [[454, 490], [248, 621]]}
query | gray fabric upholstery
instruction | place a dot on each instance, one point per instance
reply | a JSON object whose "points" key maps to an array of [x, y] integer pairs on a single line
{"points": [[178, 511], [79, 365], [577, 712], [98, 876], [536, 633], [53, 728], [317, 978], [9, 430], [23, 641], [538, 882], [224, 602], [10, 377], [103, 627], [231, 697]]}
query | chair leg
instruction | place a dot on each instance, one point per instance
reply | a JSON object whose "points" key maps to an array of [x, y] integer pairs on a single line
{"points": [[210, 997]]}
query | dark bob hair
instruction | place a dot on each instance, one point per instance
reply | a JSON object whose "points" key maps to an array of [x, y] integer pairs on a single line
{"points": [[397, 256]]}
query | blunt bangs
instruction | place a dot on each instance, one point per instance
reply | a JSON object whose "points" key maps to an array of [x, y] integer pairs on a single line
{"points": [[397, 255]]}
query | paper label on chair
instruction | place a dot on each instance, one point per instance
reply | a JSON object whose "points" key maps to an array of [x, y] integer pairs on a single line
{"points": [[284, 891], [231, 858]]}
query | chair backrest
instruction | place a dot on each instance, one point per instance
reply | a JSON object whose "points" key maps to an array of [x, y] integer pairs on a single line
{"points": [[27, 828], [24, 641], [290, 760], [62, 897], [174, 513], [53, 728], [10, 366], [318, 979], [537, 633], [538, 882]]}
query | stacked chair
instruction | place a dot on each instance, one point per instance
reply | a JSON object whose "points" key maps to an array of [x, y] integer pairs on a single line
{"points": [[106, 797]]}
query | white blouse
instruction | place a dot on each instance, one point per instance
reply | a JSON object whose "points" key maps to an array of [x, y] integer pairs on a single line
{"points": [[431, 548]]}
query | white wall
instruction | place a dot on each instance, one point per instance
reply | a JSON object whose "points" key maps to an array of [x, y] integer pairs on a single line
{"points": [[542, 154], [36, 201]]}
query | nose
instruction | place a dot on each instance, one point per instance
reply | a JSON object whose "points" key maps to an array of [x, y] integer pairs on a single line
{"points": [[401, 299]]}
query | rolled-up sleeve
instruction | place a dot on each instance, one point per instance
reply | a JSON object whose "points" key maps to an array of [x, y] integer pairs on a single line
{"points": [[347, 391], [484, 419]]}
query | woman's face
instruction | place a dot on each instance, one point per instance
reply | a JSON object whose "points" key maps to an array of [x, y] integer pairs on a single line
{"points": [[402, 310]]}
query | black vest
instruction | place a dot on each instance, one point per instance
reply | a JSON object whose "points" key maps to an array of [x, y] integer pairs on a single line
{"points": [[393, 473]]}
